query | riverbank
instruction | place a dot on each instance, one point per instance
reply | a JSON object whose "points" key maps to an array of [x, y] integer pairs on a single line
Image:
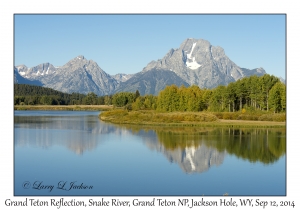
{"points": [[64, 107], [150, 117]]}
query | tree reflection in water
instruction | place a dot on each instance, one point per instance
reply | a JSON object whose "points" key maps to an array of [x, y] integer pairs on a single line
{"points": [[195, 149]]}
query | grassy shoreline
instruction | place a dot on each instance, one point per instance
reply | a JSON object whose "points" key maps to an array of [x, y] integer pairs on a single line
{"points": [[64, 107], [204, 119], [153, 118]]}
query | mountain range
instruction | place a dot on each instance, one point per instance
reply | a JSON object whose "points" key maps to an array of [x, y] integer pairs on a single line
{"points": [[196, 61]]}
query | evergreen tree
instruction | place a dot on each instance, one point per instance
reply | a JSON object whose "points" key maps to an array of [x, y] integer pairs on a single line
{"points": [[137, 94]]}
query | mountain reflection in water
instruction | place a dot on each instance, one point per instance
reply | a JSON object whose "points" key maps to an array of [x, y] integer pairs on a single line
{"points": [[194, 149]]}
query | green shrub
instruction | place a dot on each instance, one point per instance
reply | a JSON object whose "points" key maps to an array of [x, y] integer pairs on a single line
{"points": [[247, 117], [230, 115], [281, 117], [115, 113], [219, 114]]}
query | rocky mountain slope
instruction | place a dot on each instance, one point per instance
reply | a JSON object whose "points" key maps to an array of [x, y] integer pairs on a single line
{"points": [[78, 75], [122, 77], [21, 80], [198, 62], [151, 82]]}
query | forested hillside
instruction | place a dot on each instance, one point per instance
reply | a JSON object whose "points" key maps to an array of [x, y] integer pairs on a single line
{"points": [[34, 95]]}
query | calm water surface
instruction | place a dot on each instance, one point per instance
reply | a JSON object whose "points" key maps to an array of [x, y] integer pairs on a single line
{"points": [[74, 153]]}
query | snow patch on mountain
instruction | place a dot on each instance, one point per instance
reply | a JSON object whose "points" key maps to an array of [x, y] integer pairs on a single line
{"points": [[192, 64], [190, 54]]}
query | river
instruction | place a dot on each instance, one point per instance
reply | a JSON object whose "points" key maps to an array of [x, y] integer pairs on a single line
{"points": [[74, 153]]}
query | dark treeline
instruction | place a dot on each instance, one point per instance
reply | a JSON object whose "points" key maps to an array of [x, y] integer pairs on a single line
{"points": [[36, 95], [265, 93]]}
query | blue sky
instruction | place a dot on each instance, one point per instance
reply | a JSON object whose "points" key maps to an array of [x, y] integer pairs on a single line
{"points": [[127, 43]]}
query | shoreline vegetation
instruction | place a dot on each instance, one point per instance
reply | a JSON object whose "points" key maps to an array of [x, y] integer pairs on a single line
{"points": [[155, 118], [205, 119], [64, 107]]}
